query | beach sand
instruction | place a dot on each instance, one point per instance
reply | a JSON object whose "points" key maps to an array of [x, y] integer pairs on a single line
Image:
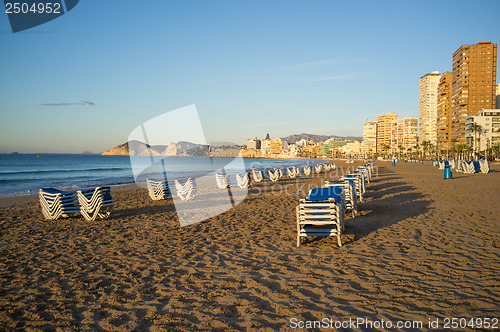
{"points": [[420, 248]]}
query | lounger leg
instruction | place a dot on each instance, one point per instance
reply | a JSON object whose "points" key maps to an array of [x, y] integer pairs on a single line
{"points": [[300, 240]]}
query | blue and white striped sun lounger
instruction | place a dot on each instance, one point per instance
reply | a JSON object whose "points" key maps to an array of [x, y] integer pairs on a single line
{"points": [[95, 202], [350, 194], [57, 203], [158, 189], [321, 214]]}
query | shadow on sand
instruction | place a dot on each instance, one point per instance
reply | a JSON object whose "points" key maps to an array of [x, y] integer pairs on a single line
{"points": [[387, 201]]}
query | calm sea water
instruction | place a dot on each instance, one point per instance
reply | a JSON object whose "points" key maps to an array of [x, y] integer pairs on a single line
{"points": [[21, 174]]}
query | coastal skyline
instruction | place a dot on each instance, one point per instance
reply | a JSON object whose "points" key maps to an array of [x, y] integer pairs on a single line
{"points": [[84, 81]]}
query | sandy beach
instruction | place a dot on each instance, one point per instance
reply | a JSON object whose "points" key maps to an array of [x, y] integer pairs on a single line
{"points": [[420, 248]]}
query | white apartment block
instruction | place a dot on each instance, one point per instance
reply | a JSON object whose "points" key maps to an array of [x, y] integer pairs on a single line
{"points": [[369, 143], [351, 148], [265, 147], [428, 106], [488, 133]]}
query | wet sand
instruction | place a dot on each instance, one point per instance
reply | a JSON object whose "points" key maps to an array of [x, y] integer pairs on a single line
{"points": [[420, 248]]}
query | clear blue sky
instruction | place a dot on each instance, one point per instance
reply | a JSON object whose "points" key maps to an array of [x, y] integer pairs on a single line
{"points": [[251, 67]]}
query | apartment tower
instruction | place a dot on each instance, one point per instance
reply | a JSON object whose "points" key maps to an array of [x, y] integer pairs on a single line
{"points": [[369, 143], [384, 131], [474, 84], [404, 132], [444, 111], [428, 107]]}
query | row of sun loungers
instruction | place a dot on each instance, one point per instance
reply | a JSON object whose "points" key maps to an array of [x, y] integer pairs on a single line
{"points": [[161, 189], [90, 203], [469, 167], [322, 213]]}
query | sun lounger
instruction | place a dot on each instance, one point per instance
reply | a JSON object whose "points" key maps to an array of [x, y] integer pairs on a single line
{"points": [[158, 189], [307, 170], [356, 182], [257, 175], [95, 202], [57, 203], [242, 180], [274, 175], [321, 214], [292, 172], [187, 190], [361, 188], [221, 181], [350, 195], [484, 166]]}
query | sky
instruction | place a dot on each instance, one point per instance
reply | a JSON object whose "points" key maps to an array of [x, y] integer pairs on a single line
{"points": [[86, 80]]}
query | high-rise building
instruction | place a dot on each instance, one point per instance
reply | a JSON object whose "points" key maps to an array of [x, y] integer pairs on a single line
{"points": [[384, 131], [404, 133], [444, 111], [369, 143], [428, 106], [474, 84]]}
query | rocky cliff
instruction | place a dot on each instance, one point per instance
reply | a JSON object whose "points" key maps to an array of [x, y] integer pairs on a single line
{"points": [[137, 148]]}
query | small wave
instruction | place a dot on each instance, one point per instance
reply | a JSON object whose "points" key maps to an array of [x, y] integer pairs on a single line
{"points": [[65, 170]]}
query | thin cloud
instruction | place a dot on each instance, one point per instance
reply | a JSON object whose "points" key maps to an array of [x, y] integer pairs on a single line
{"points": [[82, 103], [321, 78]]}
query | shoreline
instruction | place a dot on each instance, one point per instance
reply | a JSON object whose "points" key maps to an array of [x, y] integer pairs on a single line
{"points": [[6, 201]]}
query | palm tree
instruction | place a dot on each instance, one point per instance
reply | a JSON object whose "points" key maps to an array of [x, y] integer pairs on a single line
{"points": [[385, 147], [476, 128], [453, 143], [400, 147], [425, 146]]}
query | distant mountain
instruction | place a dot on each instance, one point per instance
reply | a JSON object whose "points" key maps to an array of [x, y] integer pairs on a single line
{"points": [[316, 138], [137, 148]]}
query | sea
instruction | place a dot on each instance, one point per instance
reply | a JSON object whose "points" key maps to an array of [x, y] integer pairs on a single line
{"points": [[24, 174]]}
